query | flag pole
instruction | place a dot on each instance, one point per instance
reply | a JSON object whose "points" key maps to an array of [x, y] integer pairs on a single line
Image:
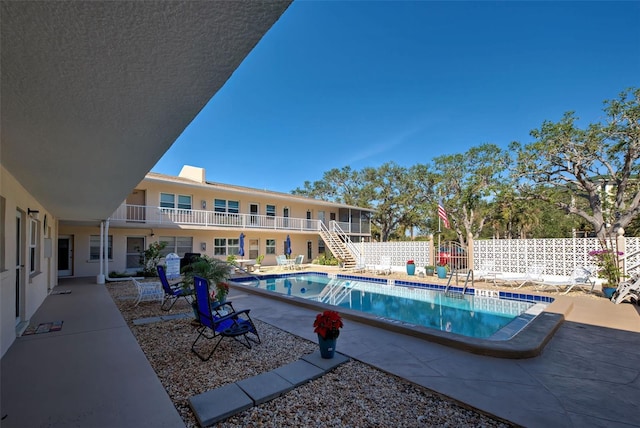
{"points": [[439, 234]]}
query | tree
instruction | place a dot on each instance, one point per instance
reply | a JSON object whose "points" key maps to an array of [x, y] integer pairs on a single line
{"points": [[590, 173], [468, 182], [337, 185], [399, 196]]}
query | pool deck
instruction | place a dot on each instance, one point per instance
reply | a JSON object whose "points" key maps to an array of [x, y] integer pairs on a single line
{"points": [[91, 373]]}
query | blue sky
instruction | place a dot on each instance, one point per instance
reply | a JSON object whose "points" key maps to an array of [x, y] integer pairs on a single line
{"points": [[337, 83]]}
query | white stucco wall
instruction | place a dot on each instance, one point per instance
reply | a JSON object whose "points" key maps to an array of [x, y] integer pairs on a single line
{"points": [[36, 286]]}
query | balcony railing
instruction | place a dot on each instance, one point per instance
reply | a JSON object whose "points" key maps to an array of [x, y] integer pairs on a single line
{"points": [[176, 217], [157, 216]]}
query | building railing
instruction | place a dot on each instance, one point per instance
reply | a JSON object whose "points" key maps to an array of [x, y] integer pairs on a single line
{"points": [[174, 217]]}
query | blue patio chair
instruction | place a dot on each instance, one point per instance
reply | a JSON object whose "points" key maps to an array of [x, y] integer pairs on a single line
{"points": [[221, 309], [172, 292], [236, 325]]}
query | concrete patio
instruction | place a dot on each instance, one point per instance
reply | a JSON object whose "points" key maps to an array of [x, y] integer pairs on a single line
{"points": [[92, 373]]}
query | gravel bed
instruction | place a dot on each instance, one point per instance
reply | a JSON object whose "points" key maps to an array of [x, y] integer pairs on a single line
{"points": [[352, 395]]}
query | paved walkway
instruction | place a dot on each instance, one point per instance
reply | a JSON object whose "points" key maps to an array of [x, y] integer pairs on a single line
{"points": [[92, 373]]}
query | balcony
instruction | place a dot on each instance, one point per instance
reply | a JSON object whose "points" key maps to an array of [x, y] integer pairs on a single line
{"points": [[150, 216]]}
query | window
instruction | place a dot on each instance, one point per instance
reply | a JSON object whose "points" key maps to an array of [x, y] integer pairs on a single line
{"points": [[233, 246], [184, 202], [219, 247], [168, 200], [177, 244], [271, 246], [321, 248], [220, 205], [94, 247], [271, 210], [226, 247], [224, 206], [34, 246]]}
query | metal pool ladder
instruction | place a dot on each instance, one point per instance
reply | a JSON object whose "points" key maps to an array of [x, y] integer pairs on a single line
{"points": [[466, 281]]}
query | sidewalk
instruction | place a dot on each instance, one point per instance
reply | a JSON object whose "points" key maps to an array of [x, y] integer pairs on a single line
{"points": [[91, 373]]}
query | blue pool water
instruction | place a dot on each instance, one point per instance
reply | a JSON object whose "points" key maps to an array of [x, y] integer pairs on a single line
{"points": [[468, 315]]}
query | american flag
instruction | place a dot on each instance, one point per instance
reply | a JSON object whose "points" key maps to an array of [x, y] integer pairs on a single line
{"points": [[443, 214]]}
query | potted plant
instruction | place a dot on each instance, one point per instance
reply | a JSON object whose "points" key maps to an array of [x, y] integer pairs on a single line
{"points": [[220, 292], [327, 325], [442, 269], [429, 270], [213, 270], [259, 259], [608, 262], [411, 267], [231, 261]]}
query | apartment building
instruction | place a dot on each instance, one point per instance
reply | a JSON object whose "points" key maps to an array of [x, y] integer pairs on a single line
{"points": [[193, 215]]}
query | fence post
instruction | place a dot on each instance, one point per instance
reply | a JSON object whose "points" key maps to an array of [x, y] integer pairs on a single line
{"points": [[470, 255], [621, 245], [432, 254]]}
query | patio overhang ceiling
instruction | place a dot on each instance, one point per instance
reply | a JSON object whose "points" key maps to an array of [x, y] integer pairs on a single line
{"points": [[95, 92]]}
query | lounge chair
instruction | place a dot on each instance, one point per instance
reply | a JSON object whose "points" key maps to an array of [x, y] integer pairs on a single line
{"points": [[486, 272], [217, 327], [627, 290], [172, 292], [283, 262], [384, 268], [221, 309], [581, 278], [297, 264], [517, 280]]}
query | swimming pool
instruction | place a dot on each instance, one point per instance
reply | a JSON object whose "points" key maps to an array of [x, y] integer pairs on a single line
{"points": [[480, 314]]}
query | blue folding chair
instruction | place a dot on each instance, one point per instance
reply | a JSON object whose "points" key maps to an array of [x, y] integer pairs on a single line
{"points": [[172, 292], [235, 324]]}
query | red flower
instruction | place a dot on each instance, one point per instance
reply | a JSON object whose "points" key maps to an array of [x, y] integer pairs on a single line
{"points": [[328, 324]]}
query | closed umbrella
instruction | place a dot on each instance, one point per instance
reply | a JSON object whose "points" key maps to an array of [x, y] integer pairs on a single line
{"points": [[241, 249], [287, 246]]}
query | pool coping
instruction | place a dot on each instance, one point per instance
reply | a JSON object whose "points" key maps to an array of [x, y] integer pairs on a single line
{"points": [[527, 343]]}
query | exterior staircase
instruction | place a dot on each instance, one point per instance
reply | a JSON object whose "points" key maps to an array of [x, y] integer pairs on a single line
{"points": [[340, 245]]}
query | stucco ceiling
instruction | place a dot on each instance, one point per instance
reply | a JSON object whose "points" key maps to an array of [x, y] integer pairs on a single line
{"points": [[93, 93]]}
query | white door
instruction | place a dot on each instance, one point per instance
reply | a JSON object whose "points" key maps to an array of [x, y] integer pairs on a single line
{"points": [[65, 255], [20, 245]]}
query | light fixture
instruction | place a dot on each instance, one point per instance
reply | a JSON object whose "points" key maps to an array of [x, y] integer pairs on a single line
{"points": [[203, 246], [152, 234], [204, 205]]}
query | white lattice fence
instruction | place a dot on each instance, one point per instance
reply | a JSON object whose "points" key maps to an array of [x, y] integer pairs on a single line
{"points": [[560, 256], [399, 252], [632, 251]]}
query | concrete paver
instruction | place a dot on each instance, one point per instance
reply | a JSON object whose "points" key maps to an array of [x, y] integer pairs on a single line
{"points": [[220, 403], [265, 387], [299, 372]]}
